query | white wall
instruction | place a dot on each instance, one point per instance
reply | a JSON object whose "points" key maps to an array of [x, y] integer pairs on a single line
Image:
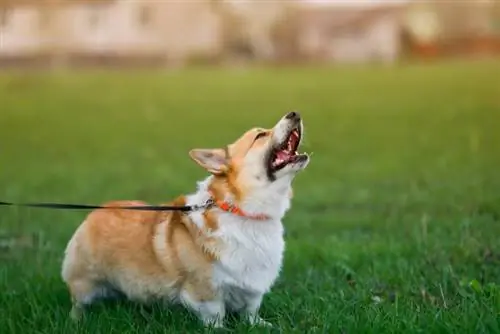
{"points": [[378, 40], [384, 38], [21, 33], [116, 28], [176, 28]]}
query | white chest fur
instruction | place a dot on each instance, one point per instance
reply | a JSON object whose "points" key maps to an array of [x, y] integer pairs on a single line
{"points": [[252, 255]]}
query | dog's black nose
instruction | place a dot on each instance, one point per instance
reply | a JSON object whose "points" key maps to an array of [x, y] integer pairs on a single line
{"points": [[293, 115]]}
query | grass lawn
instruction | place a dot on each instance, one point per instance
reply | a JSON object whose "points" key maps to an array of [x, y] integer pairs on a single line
{"points": [[395, 225]]}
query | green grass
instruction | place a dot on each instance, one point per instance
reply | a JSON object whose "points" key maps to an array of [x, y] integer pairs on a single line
{"points": [[395, 224]]}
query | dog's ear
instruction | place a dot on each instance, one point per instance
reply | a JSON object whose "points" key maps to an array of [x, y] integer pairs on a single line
{"points": [[213, 160]]}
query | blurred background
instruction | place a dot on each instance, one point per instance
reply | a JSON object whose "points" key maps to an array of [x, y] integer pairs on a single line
{"points": [[394, 225], [63, 33]]}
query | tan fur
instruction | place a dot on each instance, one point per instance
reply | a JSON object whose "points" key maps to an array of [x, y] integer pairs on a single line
{"points": [[237, 152], [148, 254]]}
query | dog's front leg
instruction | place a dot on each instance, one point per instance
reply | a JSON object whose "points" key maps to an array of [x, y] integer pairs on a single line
{"points": [[251, 310], [211, 311]]}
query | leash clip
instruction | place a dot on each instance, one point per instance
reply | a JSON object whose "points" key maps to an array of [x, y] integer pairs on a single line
{"points": [[210, 202]]}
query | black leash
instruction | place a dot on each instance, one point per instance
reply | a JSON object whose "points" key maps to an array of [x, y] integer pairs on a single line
{"points": [[65, 206]]}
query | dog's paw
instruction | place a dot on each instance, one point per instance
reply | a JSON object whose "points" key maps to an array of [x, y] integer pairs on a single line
{"points": [[258, 321], [214, 323], [76, 313]]}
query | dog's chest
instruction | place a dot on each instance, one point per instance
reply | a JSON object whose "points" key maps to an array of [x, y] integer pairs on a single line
{"points": [[251, 259]]}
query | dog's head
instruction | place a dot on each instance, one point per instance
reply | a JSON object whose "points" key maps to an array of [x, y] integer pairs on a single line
{"points": [[260, 157]]}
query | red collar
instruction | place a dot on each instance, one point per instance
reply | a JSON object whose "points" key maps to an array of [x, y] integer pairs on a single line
{"points": [[235, 210]]}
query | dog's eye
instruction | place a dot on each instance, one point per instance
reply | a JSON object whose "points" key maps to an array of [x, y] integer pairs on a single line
{"points": [[260, 135]]}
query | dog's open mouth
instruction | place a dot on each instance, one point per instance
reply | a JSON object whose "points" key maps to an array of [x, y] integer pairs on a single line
{"points": [[286, 153]]}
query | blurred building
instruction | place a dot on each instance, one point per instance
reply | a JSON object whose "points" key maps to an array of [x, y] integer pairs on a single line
{"points": [[447, 28], [68, 32], [107, 30], [351, 33]]}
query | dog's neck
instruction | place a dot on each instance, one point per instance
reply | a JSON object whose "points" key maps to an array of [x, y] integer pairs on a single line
{"points": [[272, 200]]}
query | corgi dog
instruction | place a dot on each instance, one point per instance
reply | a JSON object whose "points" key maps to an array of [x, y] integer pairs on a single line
{"points": [[225, 254]]}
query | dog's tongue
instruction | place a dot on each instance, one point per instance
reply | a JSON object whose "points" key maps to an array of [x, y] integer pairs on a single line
{"points": [[282, 155]]}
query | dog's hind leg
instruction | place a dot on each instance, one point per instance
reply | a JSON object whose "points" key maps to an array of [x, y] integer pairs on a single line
{"points": [[84, 292]]}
